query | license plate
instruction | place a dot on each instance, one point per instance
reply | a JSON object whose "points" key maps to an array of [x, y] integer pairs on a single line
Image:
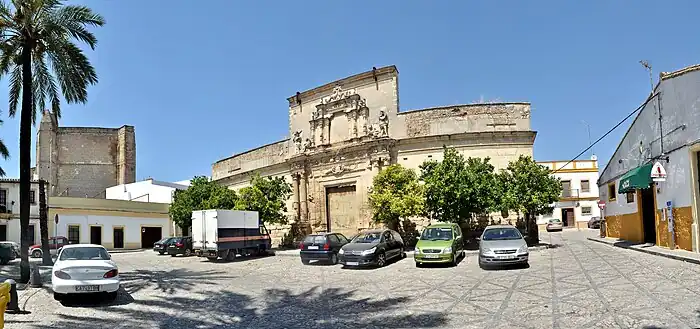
{"points": [[352, 263], [506, 257], [87, 288], [432, 256], [312, 247]]}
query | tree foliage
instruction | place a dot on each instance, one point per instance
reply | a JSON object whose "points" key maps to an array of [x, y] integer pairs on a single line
{"points": [[201, 194], [458, 189], [529, 188], [39, 58], [268, 196], [395, 194]]}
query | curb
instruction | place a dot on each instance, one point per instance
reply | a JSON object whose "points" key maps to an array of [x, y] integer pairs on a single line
{"points": [[128, 251], [295, 252], [647, 251]]}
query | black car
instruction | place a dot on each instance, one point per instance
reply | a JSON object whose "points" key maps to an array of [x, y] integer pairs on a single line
{"points": [[7, 253], [180, 246], [372, 247], [161, 246], [594, 222], [321, 246]]}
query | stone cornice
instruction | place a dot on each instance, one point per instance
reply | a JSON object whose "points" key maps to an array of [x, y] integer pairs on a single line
{"points": [[328, 88], [500, 136]]}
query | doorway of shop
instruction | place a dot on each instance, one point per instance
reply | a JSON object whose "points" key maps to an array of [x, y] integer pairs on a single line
{"points": [[150, 235], [96, 235], [567, 217], [648, 214]]}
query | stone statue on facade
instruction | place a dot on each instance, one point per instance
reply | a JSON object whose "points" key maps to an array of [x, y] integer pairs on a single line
{"points": [[297, 140], [383, 124], [308, 144]]}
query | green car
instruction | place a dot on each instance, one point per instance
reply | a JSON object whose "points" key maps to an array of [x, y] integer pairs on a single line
{"points": [[439, 243]]}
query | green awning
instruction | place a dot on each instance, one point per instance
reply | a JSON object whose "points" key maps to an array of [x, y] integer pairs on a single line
{"points": [[635, 179]]}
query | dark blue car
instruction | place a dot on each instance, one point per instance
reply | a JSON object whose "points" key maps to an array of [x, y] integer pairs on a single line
{"points": [[321, 247]]}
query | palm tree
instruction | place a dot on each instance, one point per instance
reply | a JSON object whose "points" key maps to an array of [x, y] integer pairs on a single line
{"points": [[40, 57], [4, 153]]}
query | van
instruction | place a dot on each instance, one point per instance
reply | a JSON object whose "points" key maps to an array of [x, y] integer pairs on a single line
{"points": [[439, 243]]}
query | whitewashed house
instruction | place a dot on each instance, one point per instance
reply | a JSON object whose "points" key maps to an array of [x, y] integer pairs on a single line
{"points": [[578, 202], [9, 210]]}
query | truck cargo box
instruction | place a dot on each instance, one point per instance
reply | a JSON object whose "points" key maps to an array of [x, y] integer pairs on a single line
{"points": [[208, 225]]}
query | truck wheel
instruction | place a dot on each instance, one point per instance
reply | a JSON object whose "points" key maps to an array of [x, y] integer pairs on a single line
{"points": [[231, 255], [36, 253]]}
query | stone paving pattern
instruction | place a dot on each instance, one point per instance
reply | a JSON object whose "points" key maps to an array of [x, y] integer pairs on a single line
{"points": [[576, 284]]}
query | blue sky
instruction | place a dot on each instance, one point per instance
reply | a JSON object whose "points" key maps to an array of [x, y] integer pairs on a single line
{"points": [[202, 80]]}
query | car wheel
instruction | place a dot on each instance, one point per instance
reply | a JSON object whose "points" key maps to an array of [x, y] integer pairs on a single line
{"points": [[161, 252], [58, 297], [334, 259], [36, 253], [305, 261], [188, 252], [419, 264], [111, 296], [403, 255], [381, 260]]}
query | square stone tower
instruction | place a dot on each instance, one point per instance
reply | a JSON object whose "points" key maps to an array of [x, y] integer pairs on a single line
{"points": [[84, 161]]}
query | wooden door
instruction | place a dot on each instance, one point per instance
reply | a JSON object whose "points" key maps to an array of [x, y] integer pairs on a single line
{"points": [[341, 210]]}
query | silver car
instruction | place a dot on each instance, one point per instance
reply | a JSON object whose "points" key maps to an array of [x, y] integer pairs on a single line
{"points": [[502, 245]]}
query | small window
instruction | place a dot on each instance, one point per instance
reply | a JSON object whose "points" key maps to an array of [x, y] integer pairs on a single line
{"points": [[585, 186], [630, 197], [612, 192], [388, 237], [32, 197], [342, 238], [73, 234], [586, 211], [396, 236]]}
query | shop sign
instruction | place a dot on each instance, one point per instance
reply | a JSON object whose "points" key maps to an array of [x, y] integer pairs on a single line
{"points": [[658, 173]]}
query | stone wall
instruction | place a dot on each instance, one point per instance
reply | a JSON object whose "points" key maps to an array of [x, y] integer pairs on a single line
{"points": [[464, 118], [261, 157], [84, 161]]}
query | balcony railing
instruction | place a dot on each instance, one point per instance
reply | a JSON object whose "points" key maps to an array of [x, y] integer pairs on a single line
{"points": [[570, 193]]}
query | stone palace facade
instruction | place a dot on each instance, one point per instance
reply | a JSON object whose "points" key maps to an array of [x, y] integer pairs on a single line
{"points": [[344, 132]]}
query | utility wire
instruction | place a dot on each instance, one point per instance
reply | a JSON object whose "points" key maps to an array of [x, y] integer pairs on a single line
{"points": [[609, 131]]}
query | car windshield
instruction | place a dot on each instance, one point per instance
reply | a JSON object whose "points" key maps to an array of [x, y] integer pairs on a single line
{"points": [[370, 237], [437, 233], [84, 253], [315, 239], [502, 234], [555, 220], [174, 240]]}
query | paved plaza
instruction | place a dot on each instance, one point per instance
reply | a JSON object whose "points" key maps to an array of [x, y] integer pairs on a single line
{"points": [[576, 284]]}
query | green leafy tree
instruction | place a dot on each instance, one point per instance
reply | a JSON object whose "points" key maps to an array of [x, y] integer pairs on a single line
{"points": [[41, 61], [458, 189], [530, 188], [268, 196], [396, 195], [201, 194]]}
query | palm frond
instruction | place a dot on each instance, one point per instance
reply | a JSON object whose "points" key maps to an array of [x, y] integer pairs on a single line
{"points": [[72, 68], [73, 21], [43, 84], [4, 152], [15, 89]]}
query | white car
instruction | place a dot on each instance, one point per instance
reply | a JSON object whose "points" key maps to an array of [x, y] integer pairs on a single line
{"points": [[84, 269]]}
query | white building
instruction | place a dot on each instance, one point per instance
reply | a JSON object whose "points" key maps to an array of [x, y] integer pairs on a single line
{"points": [[148, 190], [579, 199], [9, 210]]}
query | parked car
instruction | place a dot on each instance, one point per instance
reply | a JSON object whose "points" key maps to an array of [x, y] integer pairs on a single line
{"points": [[372, 247], [180, 246], [161, 246], [554, 224], [502, 245], [439, 243], [55, 243], [594, 222], [6, 253], [321, 247], [15, 247], [84, 269]]}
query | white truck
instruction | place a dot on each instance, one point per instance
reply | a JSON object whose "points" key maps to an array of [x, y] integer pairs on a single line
{"points": [[227, 233]]}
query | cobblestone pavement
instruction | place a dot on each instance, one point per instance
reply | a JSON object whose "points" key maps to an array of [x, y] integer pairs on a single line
{"points": [[576, 284]]}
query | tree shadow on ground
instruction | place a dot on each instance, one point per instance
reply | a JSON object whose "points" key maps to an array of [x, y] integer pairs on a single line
{"points": [[169, 281], [276, 308]]}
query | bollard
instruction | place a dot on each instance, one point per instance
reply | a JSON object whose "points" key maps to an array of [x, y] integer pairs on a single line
{"points": [[35, 280], [13, 305]]}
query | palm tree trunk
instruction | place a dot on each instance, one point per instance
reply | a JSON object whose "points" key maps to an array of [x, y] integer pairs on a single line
{"points": [[44, 224], [25, 147]]}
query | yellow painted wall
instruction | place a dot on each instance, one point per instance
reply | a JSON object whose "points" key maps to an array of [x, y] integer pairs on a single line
{"points": [[683, 217], [626, 226]]}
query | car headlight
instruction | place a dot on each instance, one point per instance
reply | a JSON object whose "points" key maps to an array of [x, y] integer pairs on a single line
{"points": [[416, 250], [486, 251], [522, 249], [447, 250], [341, 252], [369, 251]]}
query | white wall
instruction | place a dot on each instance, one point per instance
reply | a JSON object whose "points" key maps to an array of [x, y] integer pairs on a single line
{"points": [[132, 227], [144, 191], [12, 223]]}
